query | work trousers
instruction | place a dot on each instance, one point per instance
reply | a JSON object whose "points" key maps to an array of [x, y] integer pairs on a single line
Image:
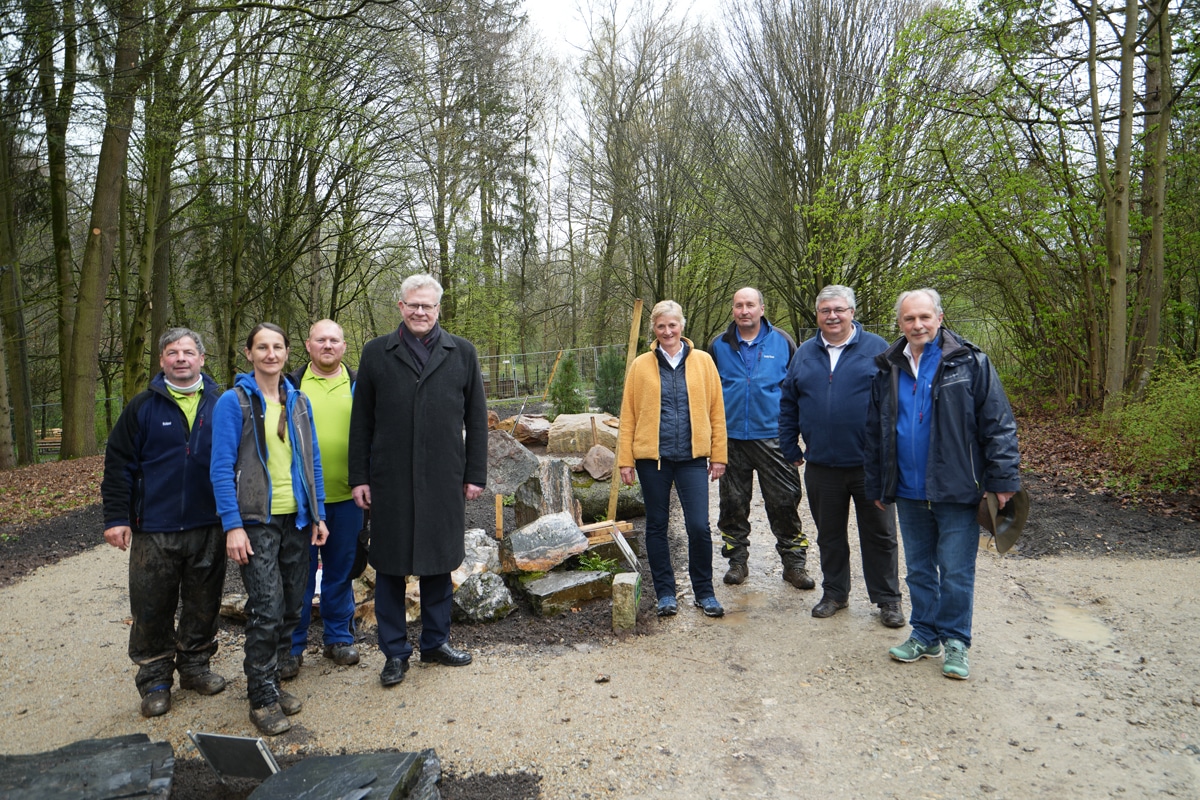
{"points": [[165, 568], [336, 557], [779, 482], [274, 580]]}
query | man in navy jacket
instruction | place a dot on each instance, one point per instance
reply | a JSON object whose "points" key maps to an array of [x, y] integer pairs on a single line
{"points": [[940, 433], [752, 358], [825, 401], [158, 504]]}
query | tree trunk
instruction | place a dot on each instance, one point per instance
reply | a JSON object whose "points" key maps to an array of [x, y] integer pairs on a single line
{"points": [[79, 392]]}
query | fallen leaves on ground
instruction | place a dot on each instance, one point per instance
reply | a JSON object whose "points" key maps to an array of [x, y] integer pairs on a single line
{"points": [[46, 490]]}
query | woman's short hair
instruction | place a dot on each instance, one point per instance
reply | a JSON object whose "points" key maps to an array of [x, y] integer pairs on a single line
{"points": [[667, 308]]}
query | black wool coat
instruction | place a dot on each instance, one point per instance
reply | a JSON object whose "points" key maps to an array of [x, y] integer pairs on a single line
{"points": [[407, 443]]}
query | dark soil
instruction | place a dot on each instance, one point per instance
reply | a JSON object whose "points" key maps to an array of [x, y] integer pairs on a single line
{"points": [[1068, 516]]}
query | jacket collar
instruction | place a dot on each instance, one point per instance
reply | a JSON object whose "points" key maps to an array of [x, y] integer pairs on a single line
{"points": [[441, 349]]}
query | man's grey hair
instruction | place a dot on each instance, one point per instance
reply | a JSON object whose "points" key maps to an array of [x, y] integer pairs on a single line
{"points": [[173, 335], [415, 283], [932, 294], [836, 291]]}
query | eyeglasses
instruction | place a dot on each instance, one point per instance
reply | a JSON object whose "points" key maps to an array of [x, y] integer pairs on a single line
{"points": [[422, 307], [831, 312]]}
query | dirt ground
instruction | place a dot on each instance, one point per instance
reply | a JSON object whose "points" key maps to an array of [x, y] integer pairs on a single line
{"points": [[1083, 678]]}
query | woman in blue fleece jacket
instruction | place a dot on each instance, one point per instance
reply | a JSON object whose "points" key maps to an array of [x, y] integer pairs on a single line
{"points": [[266, 477]]}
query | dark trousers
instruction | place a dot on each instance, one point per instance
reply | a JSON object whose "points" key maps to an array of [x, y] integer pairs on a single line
{"points": [[690, 479], [779, 482], [274, 580], [165, 568], [830, 492], [437, 601], [336, 557]]}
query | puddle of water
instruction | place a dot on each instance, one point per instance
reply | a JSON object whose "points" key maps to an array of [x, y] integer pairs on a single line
{"points": [[1072, 622], [737, 606]]}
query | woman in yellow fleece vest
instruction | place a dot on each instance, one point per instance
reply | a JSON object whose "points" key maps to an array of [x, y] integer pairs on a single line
{"points": [[673, 434]]}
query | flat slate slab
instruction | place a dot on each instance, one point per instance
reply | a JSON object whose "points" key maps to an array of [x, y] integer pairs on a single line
{"points": [[556, 592], [94, 769], [373, 776]]}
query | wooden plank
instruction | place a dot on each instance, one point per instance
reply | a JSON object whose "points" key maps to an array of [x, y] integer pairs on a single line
{"points": [[622, 526]]}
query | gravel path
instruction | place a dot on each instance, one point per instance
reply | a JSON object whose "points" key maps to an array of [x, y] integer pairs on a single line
{"points": [[1084, 684]]}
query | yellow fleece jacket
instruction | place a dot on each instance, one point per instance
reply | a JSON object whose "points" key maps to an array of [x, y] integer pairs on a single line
{"points": [[641, 407]]}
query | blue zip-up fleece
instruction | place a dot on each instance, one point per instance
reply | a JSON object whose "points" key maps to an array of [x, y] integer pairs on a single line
{"points": [[971, 430], [828, 409], [675, 419], [240, 479], [752, 392], [155, 469]]}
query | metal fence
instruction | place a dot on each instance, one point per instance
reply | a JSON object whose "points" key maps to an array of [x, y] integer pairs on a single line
{"points": [[519, 375]]}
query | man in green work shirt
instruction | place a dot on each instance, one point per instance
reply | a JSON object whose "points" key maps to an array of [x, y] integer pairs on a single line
{"points": [[329, 386]]}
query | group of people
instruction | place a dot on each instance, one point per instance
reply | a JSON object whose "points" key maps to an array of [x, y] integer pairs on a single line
{"points": [[919, 429], [276, 475]]}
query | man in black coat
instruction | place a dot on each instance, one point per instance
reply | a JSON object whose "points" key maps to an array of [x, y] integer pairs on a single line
{"points": [[419, 388]]}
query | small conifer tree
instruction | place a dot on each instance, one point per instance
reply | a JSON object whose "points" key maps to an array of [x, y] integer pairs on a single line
{"points": [[566, 391], [610, 381]]}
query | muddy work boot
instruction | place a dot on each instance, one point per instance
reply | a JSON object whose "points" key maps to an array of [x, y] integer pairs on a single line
{"points": [[289, 704], [289, 665], [206, 683], [738, 572], [799, 577], [270, 720], [157, 701]]}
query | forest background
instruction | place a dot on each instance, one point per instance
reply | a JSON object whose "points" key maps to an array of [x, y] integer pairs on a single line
{"points": [[174, 162]]}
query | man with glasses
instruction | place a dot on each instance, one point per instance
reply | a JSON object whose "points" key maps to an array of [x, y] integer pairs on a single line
{"points": [[825, 402], [752, 358], [419, 389]]}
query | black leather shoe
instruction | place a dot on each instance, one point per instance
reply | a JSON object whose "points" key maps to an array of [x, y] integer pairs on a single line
{"points": [[799, 577], [205, 683], [828, 607], [738, 572], [344, 654], [891, 616], [393, 671], [446, 655], [155, 704]]}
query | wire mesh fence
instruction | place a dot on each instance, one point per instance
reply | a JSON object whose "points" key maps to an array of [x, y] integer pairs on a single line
{"points": [[519, 375]]}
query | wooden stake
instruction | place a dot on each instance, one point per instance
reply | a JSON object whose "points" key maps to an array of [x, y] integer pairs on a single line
{"points": [[595, 433], [499, 516], [635, 327], [553, 370]]}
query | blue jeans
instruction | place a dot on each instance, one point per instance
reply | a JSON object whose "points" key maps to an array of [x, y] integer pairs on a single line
{"points": [[941, 541], [344, 521], [690, 479]]}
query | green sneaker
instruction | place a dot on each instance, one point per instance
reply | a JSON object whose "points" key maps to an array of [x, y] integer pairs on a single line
{"points": [[913, 650], [955, 666]]}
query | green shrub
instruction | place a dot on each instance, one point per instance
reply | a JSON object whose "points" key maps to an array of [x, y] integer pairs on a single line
{"points": [[610, 381], [1157, 440], [566, 391]]}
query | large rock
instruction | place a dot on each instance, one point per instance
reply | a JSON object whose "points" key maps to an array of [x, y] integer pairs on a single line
{"points": [[128, 766], [483, 555], [510, 463], [407, 776], [558, 591], [572, 433], [599, 463], [543, 544], [528, 428], [592, 496], [548, 491], [483, 597]]}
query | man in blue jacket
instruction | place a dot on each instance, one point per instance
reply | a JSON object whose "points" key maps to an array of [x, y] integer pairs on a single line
{"points": [[158, 504], [940, 433], [752, 358], [825, 401]]}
